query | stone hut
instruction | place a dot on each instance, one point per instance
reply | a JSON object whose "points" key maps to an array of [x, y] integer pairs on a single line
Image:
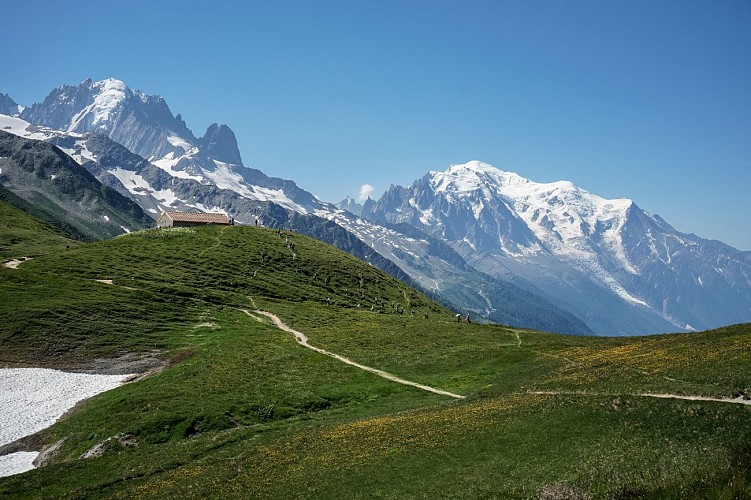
{"points": [[188, 219]]}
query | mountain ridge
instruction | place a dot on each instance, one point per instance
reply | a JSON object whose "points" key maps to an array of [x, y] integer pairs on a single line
{"points": [[499, 220], [44, 176], [555, 240]]}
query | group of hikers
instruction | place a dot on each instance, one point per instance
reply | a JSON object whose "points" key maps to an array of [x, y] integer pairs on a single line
{"points": [[466, 318]]}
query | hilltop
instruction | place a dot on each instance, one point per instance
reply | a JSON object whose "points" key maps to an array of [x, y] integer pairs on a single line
{"points": [[238, 407]]}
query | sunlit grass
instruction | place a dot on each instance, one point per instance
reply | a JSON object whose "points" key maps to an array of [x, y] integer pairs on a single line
{"points": [[243, 410]]}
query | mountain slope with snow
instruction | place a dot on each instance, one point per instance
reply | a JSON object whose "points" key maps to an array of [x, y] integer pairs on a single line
{"points": [[607, 261], [53, 183], [202, 173], [443, 273]]}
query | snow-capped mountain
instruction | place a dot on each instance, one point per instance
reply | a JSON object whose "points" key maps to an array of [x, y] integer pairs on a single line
{"points": [[144, 124], [203, 173], [207, 174], [610, 263], [605, 262], [443, 273]]}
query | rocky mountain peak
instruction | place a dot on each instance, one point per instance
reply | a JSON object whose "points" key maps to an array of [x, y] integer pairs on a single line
{"points": [[140, 122], [8, 106], [220, 143], [351, 206]]}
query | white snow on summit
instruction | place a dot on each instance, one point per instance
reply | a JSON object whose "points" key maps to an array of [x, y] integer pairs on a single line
{"points": [[110, 93], [570, 222], [561, 215]]}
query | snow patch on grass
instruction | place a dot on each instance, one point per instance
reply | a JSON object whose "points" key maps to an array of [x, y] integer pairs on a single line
{"points": [[34, 398]]}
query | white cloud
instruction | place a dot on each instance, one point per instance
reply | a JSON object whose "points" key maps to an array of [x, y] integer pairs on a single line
{"points": [[365, 191]]}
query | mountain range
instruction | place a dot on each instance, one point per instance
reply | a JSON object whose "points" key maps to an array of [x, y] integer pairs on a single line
{"points": [[608, 262], [549, 256]]}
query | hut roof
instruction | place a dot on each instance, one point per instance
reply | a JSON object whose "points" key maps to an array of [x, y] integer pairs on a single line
{"points": [[198, 217]]}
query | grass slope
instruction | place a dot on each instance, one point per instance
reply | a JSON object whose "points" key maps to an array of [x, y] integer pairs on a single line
{"points": [[244, 411], [22, 235]]}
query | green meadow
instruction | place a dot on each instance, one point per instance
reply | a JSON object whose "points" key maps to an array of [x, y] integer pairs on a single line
{"points": [[238, 408]]}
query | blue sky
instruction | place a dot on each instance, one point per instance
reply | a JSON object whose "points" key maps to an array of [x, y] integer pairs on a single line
{"points": [[649, 100]]}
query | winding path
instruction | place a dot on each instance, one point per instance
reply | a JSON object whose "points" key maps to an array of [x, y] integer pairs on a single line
{"points": [[738, 400], [302, 339]]}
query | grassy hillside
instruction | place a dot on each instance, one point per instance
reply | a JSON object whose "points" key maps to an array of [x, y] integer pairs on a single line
{"points": [[22, 235], [243, 410]]}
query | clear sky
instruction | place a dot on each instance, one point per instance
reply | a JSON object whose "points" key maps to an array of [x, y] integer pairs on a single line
{"points": [[648, 100]]}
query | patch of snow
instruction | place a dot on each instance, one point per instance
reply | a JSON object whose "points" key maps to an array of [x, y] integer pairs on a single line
{"points": [[125, 229], [137, 185], [79, 152], [132, 181], [168, 162], [34, 398], [180, 143], [52, 177], [224, 177], [17, 463], [471, 245], [106, 218], [166, 196], [426, 216], [22, 128]]}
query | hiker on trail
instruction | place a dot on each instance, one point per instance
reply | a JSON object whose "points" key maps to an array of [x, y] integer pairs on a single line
{"points": [[256, 221], [458, 318], [469, 320]]}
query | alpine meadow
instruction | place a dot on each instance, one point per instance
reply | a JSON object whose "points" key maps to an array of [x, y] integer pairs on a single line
{"points": [[536, 285], [236, 406]]}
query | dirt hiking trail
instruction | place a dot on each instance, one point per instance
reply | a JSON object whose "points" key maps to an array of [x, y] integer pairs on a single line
{"points": [[302, 339]]}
